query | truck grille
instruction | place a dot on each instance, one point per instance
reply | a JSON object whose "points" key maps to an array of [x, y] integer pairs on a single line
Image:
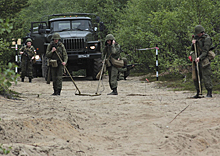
{"points": [[73, 44]]}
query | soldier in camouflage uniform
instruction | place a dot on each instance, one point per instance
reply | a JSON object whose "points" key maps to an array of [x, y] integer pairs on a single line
{"points": [[112, 49], [27, 56], [54, 48], [203, 43], [124, 72]]}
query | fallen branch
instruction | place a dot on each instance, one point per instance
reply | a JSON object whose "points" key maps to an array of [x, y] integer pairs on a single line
{"points": [[178, 114]]}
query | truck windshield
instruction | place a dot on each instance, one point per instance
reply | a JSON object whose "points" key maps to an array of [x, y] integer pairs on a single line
{"points": [[81, 24], [71, 25], [60, 25]]}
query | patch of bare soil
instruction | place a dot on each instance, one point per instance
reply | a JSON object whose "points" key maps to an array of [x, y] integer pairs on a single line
{"points": [[136, 122]]}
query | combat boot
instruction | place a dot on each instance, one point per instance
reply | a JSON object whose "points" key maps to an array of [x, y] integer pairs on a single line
{"points": [[209, 93], [114, 92], [22, 79], [30, 80], [55, 92], [197, 95], [58, 91]]}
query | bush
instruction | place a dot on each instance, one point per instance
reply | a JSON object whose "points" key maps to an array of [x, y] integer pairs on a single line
{"points": [[7, 76]]}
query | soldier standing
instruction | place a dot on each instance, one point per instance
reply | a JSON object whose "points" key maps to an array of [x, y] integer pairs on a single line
{"points": [[124, 72], [27, 56], [203, 43], [54, 49], [112, 49]]}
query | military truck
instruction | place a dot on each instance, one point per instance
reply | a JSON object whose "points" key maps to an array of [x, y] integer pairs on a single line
{"points": [[79, 34]]}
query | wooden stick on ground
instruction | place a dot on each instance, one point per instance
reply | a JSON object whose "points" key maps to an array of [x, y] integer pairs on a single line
{"points": [[178, 114]]}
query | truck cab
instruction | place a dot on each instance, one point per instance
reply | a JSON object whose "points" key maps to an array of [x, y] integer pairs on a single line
{"points": [[79, 34]]}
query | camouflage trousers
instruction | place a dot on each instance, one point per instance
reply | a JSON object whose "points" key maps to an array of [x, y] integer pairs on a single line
{"points": [[205, 76], [26, 68], [57, 74], [113, 74], [121, 73]]}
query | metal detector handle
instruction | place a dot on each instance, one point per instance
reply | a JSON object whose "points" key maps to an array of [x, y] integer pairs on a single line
{"points": [[69, 73], [197, 66], [103, 65]]}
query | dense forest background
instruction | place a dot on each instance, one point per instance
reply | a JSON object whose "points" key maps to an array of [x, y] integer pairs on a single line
{"points": [[169, 24]]}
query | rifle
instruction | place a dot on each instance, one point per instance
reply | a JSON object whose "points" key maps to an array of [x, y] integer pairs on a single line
{"points": [[131, 66]]}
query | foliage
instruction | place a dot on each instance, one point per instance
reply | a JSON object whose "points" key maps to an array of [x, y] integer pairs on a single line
{"points": [[5, 26], [9, 27], [169, 24], [7, 76], [4, 151]]}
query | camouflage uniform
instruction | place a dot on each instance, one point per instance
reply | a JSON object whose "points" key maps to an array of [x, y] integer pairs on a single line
{"points": [[203, 45], [112, 51], [26, 61], [124, 72], [57, 72]]}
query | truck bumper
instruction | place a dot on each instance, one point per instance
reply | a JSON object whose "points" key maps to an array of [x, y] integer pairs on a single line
{"points": [[84, 56]]}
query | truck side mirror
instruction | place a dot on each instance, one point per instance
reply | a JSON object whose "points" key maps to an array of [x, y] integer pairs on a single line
{"points": [[47, 30], [40, 29]]}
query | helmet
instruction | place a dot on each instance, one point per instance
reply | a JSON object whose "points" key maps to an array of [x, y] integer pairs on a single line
{"points": [[109, 37], [56, 36], [199, 29], [29, 40]]}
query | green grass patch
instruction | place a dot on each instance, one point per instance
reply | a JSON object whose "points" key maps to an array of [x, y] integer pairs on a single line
{"points": [[180, 82]]}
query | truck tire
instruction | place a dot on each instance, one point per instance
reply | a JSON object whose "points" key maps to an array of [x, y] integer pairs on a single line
{"points": [[97, 66]]}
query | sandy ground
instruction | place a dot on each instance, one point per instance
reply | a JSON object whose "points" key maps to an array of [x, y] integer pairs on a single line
{"points": [[137, 122]]}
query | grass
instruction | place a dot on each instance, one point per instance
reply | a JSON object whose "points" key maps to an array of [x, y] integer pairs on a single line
{"points": [[178, 82]]}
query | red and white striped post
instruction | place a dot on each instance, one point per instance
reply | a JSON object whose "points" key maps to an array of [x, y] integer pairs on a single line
{"points": [[157, 75]]}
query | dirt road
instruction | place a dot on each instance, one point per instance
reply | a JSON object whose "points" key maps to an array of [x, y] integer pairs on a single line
{"points": [[136, 122]]}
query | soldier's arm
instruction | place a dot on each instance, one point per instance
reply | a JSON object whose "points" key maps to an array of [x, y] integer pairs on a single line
{"points": [[21, 50], [115, 49], [65, 56], [49, 51], [33, 51], [205, 50]]}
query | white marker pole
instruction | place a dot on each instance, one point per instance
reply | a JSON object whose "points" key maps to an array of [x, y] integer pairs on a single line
{"points": [[157, 62]]}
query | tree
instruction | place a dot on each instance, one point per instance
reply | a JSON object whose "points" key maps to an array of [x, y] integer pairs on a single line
{"points": [[168, 23]]}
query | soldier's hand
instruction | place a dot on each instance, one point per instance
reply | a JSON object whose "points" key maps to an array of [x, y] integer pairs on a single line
{"points": [[113, 41], [193, 41], [32, 58], [64, 63], [21, 52], [54, 49], [197, 59]]}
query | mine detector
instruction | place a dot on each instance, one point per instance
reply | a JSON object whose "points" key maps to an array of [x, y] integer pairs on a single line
{"points": [[82, 44]]}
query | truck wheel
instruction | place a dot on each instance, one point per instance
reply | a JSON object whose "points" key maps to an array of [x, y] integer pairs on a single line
{"points": [[97, 66]]}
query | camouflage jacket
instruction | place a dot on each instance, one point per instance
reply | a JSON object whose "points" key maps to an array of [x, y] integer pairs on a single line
{"points": [[61, 50], [29, 52], [113, 50], [203, 44]]}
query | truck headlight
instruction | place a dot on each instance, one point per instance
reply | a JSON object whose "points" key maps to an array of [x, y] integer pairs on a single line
{"points": [[92, 47], [37, 57]]}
